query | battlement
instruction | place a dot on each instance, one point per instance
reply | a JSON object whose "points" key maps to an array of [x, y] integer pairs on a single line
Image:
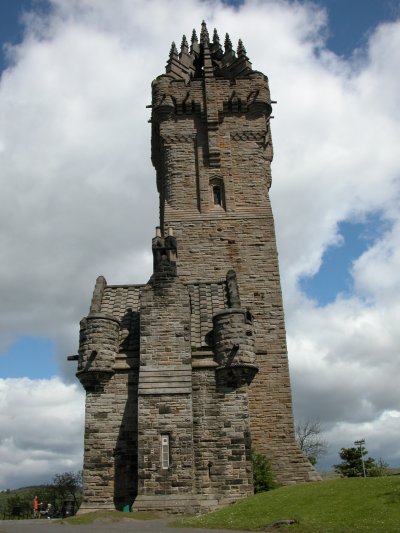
{"points": [[207, 60], [209, 82]]}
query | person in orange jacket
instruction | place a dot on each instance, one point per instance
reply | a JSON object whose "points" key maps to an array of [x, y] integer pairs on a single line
{"points": [[35, 507]]}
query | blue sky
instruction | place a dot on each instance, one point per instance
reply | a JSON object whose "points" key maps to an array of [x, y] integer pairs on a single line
{"points": [[79, 197], [350, 22], [334, 275]]}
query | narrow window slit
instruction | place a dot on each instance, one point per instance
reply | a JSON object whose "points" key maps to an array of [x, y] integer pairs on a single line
{"points": [[217, 195], [165, 451], [217, 192]]}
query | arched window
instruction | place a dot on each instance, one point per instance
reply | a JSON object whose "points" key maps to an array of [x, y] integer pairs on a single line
{"points": [[217, 192]]}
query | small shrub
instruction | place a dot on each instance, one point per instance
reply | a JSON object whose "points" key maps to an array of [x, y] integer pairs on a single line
{"points": [[379, 469], [263, 476]]}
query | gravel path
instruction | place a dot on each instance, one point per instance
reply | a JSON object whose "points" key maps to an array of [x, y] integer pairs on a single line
{"points": [[132, 526]]}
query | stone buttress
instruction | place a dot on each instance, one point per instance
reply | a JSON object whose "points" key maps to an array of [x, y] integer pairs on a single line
{"points": [[185, 375]]}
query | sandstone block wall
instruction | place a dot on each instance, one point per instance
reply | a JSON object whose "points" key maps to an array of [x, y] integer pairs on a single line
{"points": [[110, 450]]}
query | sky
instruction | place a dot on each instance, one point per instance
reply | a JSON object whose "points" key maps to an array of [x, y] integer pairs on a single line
{"points": [[78, 200]]}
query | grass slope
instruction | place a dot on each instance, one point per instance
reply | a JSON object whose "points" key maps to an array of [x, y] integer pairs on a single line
{"points": [[354, 505]]}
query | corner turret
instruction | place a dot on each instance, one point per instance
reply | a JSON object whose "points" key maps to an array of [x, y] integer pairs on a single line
{"points": [[234, 340], [98, 342]]}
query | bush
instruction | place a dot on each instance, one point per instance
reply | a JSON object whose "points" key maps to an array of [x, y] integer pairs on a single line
{"points": [[380, 469], [263, 476], [17, 506]]}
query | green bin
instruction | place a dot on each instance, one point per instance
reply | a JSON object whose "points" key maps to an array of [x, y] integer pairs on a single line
{"points": [[126, 509]]}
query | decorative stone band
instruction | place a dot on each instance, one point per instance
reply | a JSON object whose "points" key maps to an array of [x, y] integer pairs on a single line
{"points": [[248, 136], [172, 379], [240, 214], [180, 138]]}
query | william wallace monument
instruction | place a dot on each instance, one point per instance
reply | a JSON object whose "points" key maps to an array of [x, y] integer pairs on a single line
{"points": [[188, 373]]}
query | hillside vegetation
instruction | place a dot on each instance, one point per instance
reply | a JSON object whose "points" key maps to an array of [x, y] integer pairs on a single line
{"points": [[22, 497], [350, 505]]}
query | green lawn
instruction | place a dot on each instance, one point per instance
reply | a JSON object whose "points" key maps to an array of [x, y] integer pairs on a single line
{"points": [[351, 505]]}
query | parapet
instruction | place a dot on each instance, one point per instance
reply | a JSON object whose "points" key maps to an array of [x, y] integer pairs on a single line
{"points": [[209, 81]]}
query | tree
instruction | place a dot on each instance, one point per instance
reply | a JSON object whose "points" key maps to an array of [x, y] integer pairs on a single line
{"points": [[64, 487], [352, 465], [68, 485], [309, 440], [15, 506], [263, 477]]}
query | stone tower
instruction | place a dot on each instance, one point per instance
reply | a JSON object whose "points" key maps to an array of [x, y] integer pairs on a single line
{"points": [[188, 373]]}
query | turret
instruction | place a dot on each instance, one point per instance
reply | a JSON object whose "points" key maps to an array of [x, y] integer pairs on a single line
{"points": [[98, 342], [234, 341]]}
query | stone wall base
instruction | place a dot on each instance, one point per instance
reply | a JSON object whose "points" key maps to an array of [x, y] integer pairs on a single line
{"points": [[94, 507], [176, 503], [171, 503]]}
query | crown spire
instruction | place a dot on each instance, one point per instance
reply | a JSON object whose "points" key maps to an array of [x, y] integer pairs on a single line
{"points": [[194, 48], [173, 53], [207, 57], [184, 45], [204, 37], [227, 43], [241, 50]]}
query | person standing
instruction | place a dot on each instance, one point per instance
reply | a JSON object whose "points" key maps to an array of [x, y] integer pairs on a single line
{"points": [[35, 507]]}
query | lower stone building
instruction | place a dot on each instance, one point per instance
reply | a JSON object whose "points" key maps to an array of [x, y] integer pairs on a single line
{"points": [[187, 374]]}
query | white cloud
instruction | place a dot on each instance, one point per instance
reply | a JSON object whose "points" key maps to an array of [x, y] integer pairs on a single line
{"points": [[41, 434], [79, 196], [376, 271], [381, 435]]}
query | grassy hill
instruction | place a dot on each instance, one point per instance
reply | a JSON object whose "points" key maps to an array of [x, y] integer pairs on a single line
{"points": [[351, 505], [23, 492]]}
